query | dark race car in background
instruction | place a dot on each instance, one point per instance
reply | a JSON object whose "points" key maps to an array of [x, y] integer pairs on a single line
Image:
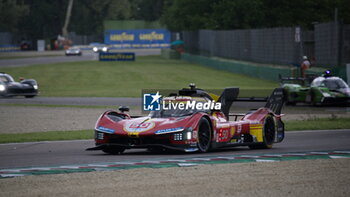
{"points": [[98, 47], [73, 51], [9, 88], [192, 130]]}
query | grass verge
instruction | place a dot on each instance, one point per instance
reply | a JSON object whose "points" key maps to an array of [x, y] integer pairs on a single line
{"points": [[127, 79], [292, 125], [318, 124], [21, 57], [49, 105], [46, 136]]}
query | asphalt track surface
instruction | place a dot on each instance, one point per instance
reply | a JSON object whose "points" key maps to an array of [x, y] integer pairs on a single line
{"points": [[87, 56], [135, 104], [38, 154]]}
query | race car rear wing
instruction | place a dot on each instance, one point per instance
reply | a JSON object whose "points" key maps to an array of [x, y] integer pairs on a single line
{"points": [[274, 102], [300, 80]]}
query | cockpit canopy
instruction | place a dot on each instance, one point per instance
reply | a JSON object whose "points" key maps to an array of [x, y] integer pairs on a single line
{"points": [[5, 78], [332, 83]]}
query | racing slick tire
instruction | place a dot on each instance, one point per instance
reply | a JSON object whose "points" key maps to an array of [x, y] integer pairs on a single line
{"points": [[204, 135], [268, 134], [113, 150]]}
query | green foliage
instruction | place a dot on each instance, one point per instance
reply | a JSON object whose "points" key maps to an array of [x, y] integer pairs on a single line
{"points": [[44, 20], [11, 12], [148, 10], [187, 14], [240, 14], [228, 14], [34, 19]]}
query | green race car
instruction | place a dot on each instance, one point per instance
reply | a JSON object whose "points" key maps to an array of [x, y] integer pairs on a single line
{"points": [[322, 90]]}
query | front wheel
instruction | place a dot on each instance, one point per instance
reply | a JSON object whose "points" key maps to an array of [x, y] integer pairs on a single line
{"points": [[268, 134], [204, 135]]}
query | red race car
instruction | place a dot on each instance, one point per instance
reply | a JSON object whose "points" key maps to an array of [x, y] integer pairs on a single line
{"points": [[193, 129]]}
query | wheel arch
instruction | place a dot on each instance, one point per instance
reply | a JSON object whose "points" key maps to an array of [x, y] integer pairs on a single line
{"points": [[210, 123]]}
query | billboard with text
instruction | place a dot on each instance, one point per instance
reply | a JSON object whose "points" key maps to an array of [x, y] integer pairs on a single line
{"points": [[141, 38]]}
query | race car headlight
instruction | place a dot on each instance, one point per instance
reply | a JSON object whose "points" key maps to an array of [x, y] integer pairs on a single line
{"points": [[104, 49], [95, 49], [2, 88], [189, 135], [325, 94], [35, 87]]}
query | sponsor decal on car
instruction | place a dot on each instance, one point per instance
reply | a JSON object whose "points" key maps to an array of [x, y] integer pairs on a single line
{"points": [[104, 129], [171, 130], [139, 127]]}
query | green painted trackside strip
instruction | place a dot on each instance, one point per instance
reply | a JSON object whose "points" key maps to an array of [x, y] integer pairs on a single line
{"points": [[188, 162]]}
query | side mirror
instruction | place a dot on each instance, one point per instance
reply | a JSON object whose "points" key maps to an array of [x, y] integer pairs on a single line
{"points": [[124, 109]]}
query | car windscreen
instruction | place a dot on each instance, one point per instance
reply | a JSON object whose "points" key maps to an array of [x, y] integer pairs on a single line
{"points": [[6, 79], [335, 84]]}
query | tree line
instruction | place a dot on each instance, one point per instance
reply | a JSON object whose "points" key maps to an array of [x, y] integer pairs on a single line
{"points": [[182, 15], [36, 19]]}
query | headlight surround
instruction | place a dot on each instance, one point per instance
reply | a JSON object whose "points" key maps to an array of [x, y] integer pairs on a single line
{"points": [[35, 87], [104, 49], [2, 88], [95, 49]]}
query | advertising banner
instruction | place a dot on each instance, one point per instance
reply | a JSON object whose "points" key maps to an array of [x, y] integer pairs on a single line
{"points": [[9, 48], [117, 56], [142, 38]]}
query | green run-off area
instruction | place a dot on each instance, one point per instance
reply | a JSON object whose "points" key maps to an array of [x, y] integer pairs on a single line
{"points": [[127, 79]]}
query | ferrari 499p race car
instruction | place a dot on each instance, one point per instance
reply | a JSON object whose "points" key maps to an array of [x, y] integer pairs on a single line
{"points": [[191, 130]]}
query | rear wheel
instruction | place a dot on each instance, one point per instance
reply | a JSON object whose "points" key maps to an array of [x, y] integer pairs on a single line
{"points": [[204, 135], [113, 150], [268, 134]]}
